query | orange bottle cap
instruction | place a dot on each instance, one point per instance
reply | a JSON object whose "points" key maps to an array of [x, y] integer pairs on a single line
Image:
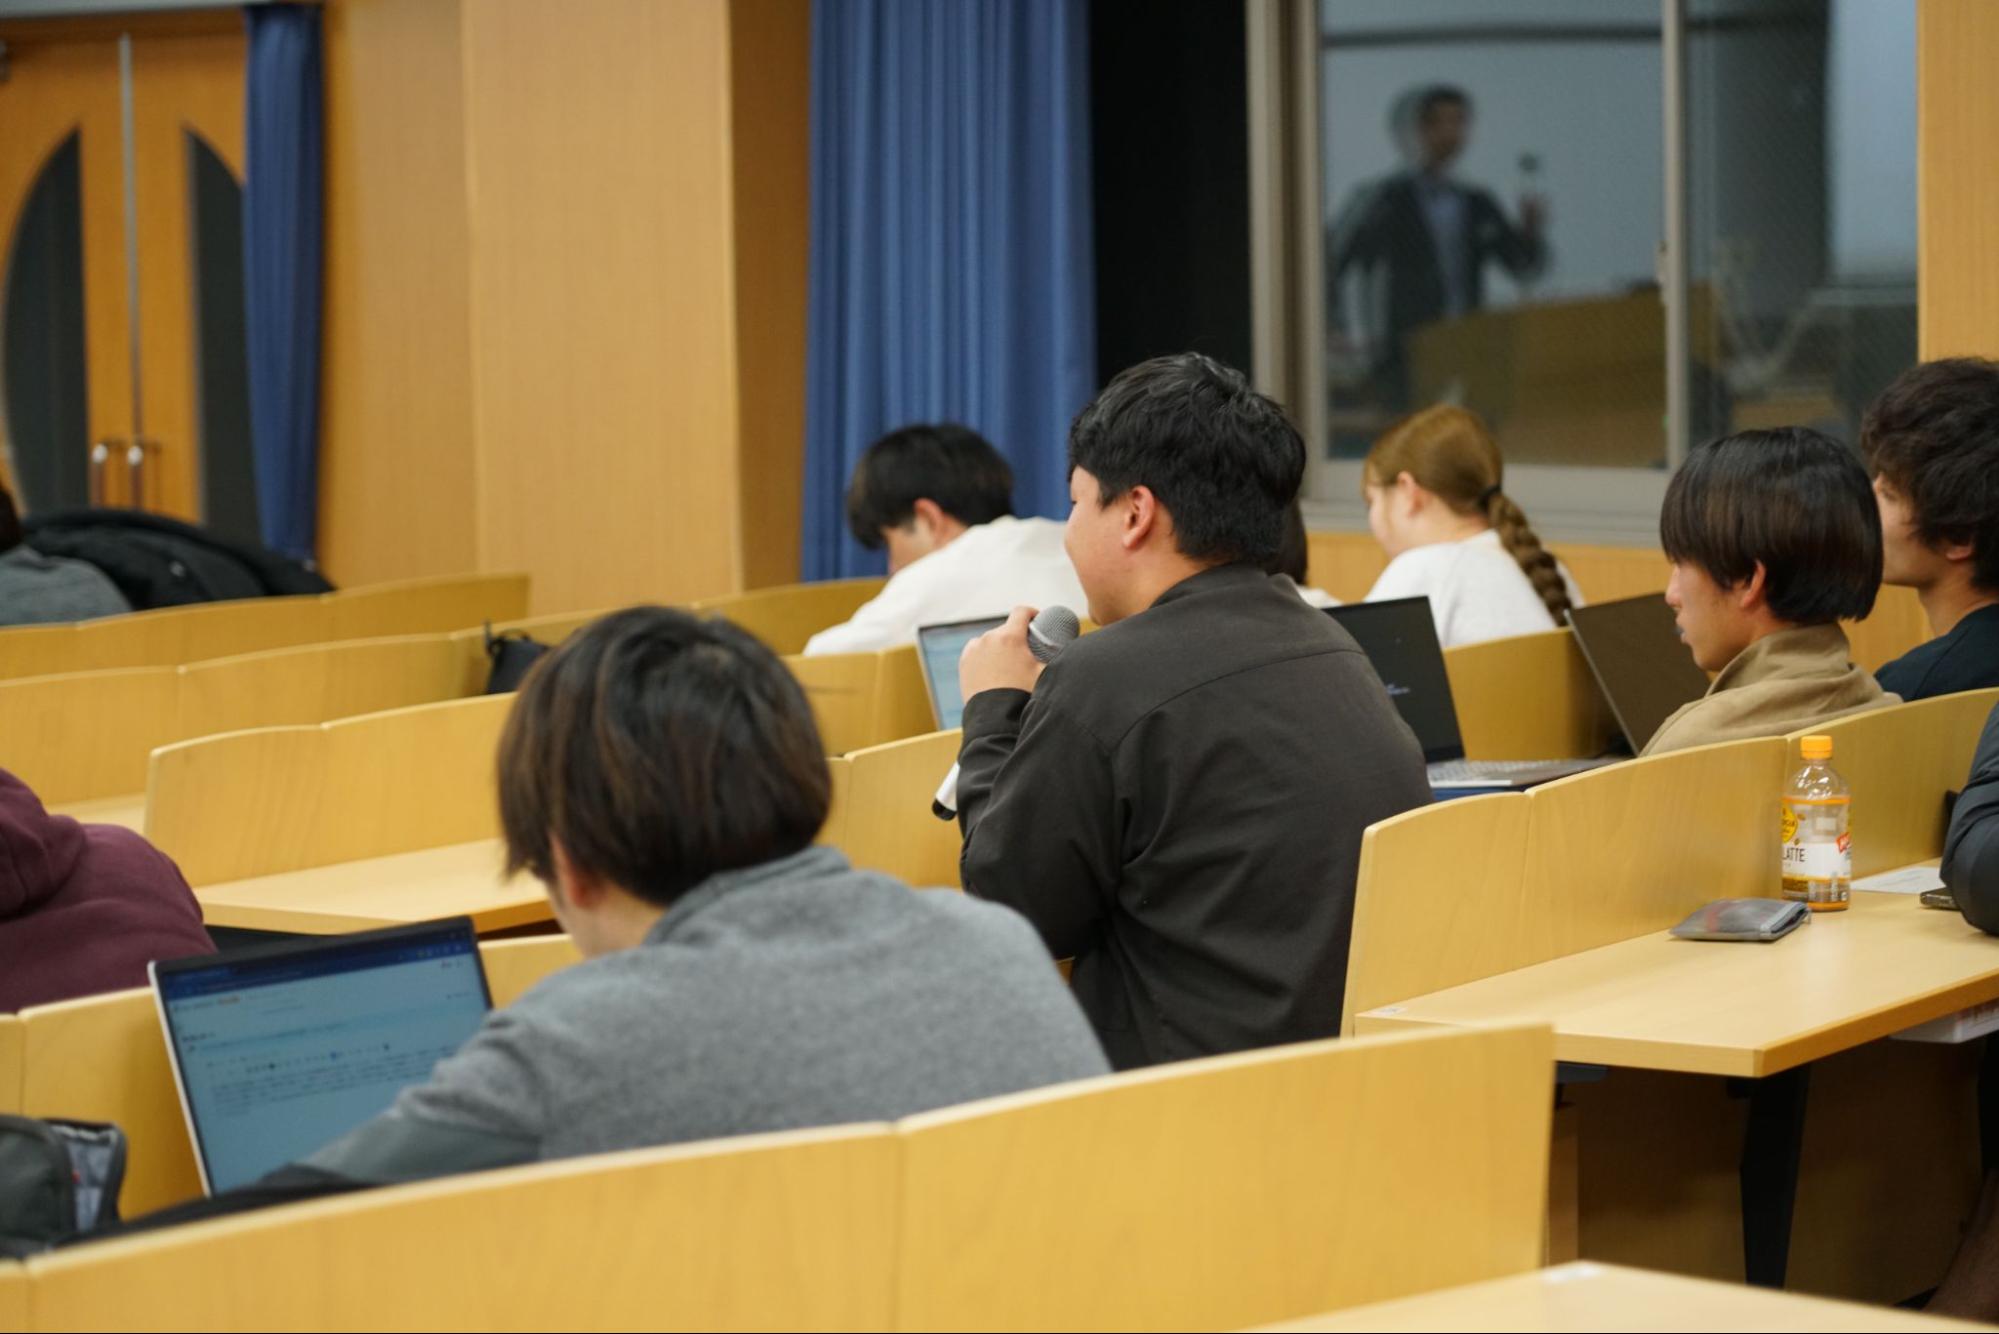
{"points": [[1816, 747]]}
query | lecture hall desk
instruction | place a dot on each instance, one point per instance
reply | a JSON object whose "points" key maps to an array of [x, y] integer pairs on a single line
{"points": [[1592, 1297], [1761, 1012], [462, 879]]}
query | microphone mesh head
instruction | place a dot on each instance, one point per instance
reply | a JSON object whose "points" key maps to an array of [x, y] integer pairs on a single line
{"points": [[1052, 630]]}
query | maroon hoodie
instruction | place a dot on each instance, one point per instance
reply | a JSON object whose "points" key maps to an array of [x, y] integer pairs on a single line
{"points": [[83, 907]]}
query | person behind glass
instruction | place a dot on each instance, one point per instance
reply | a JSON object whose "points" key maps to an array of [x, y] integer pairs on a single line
{"points": [[940, 498], [1774, 538], [1177, 800], [1420, 241], [1436, 505], [1932, 441]]}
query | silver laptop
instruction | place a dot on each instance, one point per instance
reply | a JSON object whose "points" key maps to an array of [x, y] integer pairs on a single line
{"points": [[938, 648], [1400, 639], [280, 1049]]}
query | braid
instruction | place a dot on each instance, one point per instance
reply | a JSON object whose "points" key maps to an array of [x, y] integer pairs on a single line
{"points": [[1520, 542]]}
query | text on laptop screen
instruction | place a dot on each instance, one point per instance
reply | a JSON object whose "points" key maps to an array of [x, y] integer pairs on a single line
{"points": [[941, 647], [280, 1056], [1400, 640]]}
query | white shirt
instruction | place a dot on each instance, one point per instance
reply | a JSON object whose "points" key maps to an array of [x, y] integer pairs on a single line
{"points": [[1477, 590], [987, 570]]}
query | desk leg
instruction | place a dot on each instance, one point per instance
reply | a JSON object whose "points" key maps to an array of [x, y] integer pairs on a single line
{"points": [[1770, 1151]]}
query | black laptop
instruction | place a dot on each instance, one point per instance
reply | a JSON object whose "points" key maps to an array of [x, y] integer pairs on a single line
{"points": [[1640, 663], [1400, 639]]}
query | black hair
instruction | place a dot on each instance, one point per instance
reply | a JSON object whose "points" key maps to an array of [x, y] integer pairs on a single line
{"points": [[1222, 459], [1440, 94], [1933, 435], [1294, 551], [1794, 500], [660, 748], [951, 465]]}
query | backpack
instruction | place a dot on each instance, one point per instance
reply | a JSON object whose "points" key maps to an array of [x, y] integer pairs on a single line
{"points": [[511, 656], [58, 1180]]}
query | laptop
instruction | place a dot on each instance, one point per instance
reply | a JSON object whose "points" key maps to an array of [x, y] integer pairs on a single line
{"points": [[938, 648], [1640, 663], [280, 1049], [1400, 639]]}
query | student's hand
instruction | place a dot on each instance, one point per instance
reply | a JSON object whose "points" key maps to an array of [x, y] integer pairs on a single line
{"points": [[999, 658]]}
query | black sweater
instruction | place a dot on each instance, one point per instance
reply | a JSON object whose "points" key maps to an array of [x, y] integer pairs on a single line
{"points": [[1179, 806], [1971, 848]]}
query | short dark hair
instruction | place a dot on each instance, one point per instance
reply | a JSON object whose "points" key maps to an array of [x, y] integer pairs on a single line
{"points": [[952, 465], [1933, 435], [1795, 500], [1441, 94], [1223, 459], [1293, 559], [659, 748]]}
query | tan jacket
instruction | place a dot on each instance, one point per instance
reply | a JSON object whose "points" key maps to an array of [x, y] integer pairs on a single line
{"points": [[1782, 682]]}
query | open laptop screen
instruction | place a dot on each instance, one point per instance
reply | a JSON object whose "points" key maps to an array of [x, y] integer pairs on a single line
{"points": [[281, 1049], [1400, 639], [1640, 663], [940, 647]]}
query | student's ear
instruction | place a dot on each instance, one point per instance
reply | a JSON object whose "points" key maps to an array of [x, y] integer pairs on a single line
{"points": [[577, 886], [1142, 516], [1409, 493], [1751, 593], [1958, 551], [929, 513]]}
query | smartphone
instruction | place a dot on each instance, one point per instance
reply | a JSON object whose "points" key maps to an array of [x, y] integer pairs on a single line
{"points": [[1939, 898]]}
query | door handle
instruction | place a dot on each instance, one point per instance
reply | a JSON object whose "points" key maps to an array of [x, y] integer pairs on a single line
{"points": [[135, 470], [100, 457]]}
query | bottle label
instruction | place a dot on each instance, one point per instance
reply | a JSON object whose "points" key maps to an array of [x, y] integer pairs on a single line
{"points": [[1815, 869]]}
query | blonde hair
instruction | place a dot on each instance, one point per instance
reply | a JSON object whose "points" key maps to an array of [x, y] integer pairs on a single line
{"points": [[1450, 454]]}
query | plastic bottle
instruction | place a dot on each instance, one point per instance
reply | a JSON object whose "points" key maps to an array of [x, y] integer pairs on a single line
{"points": [[1818, 849]]}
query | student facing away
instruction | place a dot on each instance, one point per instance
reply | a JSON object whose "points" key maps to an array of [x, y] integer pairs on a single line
{"points": [[1932, 442], [1774, 538], [1177, 800], [940, 498], [1452, 534]]}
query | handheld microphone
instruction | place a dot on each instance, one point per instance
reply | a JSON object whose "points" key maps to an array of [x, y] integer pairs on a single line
{"points": [[1052, 630]]}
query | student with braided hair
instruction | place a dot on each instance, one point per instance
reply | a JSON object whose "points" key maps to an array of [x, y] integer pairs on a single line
{"points": [[1453, 535]]}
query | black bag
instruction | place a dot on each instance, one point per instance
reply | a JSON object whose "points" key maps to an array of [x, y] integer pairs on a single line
{"points": [[160, 562], [58, 1180], [511, 656]]}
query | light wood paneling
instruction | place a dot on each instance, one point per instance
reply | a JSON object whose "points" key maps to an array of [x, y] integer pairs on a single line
{"points": [[13, 1296], [791, 1231], [1438, 901], [1232, 1190], [889, 825], [603, 345], [396, 889], [513, 966], [87, 735], [11, 1040], [770, 50], [425, 605], [1957, 194], [784, 618], [1532, 697], [1900, 762], [396, 452], [1342, 563], [1586, 1296], [313, 684], [1895, 626]]}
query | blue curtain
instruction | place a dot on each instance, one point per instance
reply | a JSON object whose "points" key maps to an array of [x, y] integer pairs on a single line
{"points": [[952, 272], [281, 268]]}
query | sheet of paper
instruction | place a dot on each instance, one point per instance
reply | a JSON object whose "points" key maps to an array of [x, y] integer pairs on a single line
{"points": [[1908, 880]]}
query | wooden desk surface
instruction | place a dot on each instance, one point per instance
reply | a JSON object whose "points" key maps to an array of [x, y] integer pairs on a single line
{"points": [[1589, 1296], [1721, 1008], [128, 811], [381, 891]]}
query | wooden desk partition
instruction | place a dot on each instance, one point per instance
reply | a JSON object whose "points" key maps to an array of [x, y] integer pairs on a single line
{"points": [[1532, 697], [314, 684], [12, 1039], [103, 1058], [550, 630], [1223, 1192], [286, 798], [1900, 762], [889, 825], [86, 735], [786, 1231], [785, 618], [425, 606], [457, 879], [865, 699], [13, 1295]]}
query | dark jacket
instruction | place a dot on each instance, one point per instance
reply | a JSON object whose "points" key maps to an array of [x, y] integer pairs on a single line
{"points": [[1384, 237], [1965, 659], [83, 907], [160, 562], [1971, 847], [1179, 806]]}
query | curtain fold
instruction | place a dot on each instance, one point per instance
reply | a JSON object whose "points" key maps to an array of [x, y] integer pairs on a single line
{"points": [[282, 249], [952, 274]]}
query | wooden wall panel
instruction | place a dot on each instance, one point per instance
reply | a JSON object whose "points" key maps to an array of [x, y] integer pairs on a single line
{"points": [[396, 455], [770, 53], [1957, 133], [603, 331]]}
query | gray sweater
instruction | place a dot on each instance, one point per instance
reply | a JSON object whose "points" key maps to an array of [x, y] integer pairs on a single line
{"points": [[37, 589], [797, 993]]}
